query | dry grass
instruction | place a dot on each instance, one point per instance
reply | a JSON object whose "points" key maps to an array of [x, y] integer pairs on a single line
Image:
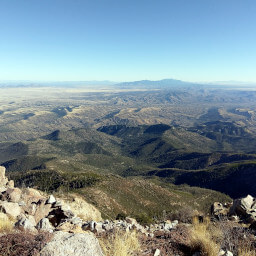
{"points": [[202, 238], [121, 244], [84, 210], [6, 224], [246, 252]]}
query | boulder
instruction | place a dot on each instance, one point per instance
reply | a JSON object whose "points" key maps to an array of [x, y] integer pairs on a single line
{"points": [[31, 192], [30, 198], [247, 202], [167, 226], [11, 209], [11, 195], [77, 221], [243, 206], [10, 184], [51, 200], [42, 210], [99, 227], [131, 220], [26, 224], [45, 225], [218, 209], [175, 223], [29, 208], [68, 244]]}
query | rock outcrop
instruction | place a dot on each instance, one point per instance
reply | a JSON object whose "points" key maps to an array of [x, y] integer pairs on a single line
{"points": [[243, 209], [64, 243], [218, 209]]}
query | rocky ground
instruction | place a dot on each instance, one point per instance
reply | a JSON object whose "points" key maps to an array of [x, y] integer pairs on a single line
{"points": [[48, 226]]}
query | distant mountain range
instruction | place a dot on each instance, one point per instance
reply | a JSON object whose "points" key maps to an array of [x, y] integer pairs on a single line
{"points": [[54, 83], [161, 83], [142, 84]]}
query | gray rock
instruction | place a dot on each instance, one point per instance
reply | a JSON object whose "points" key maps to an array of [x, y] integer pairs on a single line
{"points": [[247, 202], [45, 225], [167, 226], [67, 244], [57, 204], [11, 195], [99, 227], [26, 224], [221, 252], [242, 207], [22, 203], [92, 225], [175, 223], [76, 221], [51, 200], [107, 226], [157, 252]]}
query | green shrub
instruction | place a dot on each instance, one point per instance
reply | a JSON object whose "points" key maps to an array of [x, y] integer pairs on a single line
{"points": [[144, 219], [121, 216]]}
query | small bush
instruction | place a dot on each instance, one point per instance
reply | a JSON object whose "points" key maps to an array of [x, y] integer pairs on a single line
{"points": [[184, 214], [144, 219], [121, 244], [121, 216], [23, 244]]}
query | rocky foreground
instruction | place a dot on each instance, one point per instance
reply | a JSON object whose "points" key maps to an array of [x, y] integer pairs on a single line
{"points": [[55, 227], [33, 212]]}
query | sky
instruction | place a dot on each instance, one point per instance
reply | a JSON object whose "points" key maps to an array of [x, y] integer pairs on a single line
{"points": [[126, 40]]}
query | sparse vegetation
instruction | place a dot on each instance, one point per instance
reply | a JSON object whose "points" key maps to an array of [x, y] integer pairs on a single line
{"points": [[144, 219], [202, 238], [6, 224], [121, 244], [23, 244]]}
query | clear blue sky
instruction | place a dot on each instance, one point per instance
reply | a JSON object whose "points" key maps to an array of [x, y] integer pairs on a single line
{"points": [[124, 40]]}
